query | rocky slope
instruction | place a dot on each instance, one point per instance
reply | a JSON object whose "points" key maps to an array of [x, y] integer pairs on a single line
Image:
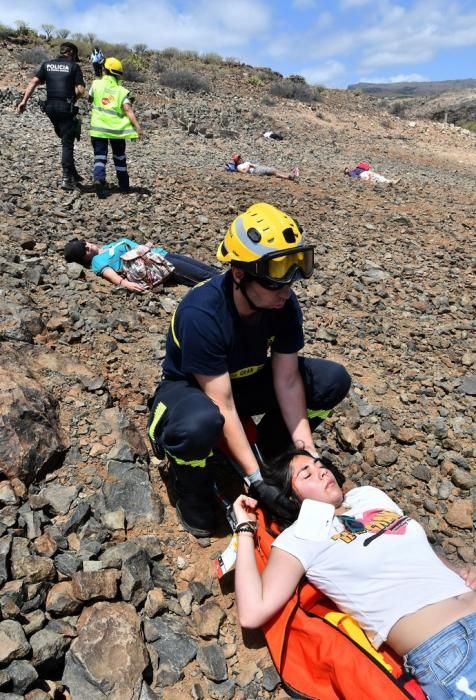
{"points": [[103, 594]]}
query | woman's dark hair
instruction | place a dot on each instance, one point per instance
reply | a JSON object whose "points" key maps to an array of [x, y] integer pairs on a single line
{"points": [[279, 473], [75, 251]]}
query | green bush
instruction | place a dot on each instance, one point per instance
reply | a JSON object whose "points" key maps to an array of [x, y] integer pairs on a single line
{"points": [[34, 56], [295, 90], [213, 58], [184, 80], [132, 74], [297, 79], [470, 125], [6, 31], [398, 109], [170, 52], [255, 80]]}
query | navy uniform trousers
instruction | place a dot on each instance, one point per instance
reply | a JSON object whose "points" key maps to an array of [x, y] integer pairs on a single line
{"points": [[187, 425]]}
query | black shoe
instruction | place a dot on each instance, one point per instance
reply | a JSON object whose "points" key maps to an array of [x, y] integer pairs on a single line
{"points": [[99, 186], [77, 178], [67, 183], [192, 490]]}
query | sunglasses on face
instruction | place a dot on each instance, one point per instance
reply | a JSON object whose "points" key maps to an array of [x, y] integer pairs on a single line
{"points": [[268, 284]]}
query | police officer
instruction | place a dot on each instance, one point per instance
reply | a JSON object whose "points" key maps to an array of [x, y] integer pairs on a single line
{"points": [[64, 84], [232, 350], [112, 120]]}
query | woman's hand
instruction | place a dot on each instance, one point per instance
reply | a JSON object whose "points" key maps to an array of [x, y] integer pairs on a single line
{"points": [[134, 286], [245, 509], [468, 574]]}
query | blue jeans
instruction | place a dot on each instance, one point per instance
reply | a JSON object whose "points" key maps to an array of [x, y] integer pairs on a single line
{"points": [[189, 271], [445, 665]]}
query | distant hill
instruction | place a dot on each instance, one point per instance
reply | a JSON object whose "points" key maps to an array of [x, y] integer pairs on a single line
{"points": [[416, 89]]}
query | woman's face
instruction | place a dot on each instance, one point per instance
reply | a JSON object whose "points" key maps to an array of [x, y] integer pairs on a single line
{"points": [[311, 480], [92, 249]]}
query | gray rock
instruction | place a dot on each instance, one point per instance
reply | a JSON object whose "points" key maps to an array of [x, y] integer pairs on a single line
{"points": [[23, 675], [221, 691], [385, 456], [175, 650], [5, 544], [212, 662], [13, 643], [136, 580], [422, 472], [131, 490], [199, 591], [468, 385], [108, 657], [31, 568], [75, 271], [47, 647], [67, 563], [463, 479], [77, 518], [31, 436], [271, 678], [114, 556], [59, 498]]}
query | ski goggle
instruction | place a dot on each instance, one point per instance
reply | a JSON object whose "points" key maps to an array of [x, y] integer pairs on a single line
{"points": [[279, 269]]}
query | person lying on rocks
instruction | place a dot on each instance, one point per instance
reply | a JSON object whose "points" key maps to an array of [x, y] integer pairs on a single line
{"points": [[238, 165], [372, 560], [106, 260], [363, 171]]}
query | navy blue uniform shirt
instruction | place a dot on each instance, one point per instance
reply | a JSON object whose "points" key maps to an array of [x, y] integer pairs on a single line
{"points": [[207, 336]]}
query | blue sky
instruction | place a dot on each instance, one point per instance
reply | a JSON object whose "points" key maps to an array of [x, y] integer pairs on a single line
{"points": [[329, 42]]}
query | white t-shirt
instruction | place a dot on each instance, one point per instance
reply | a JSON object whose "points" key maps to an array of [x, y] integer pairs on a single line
{"points": [[380, 580]]}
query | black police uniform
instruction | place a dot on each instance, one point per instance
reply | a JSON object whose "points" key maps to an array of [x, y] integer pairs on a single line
{"points": [[61, 78]]}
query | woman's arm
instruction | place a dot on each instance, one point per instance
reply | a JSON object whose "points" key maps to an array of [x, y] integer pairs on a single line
{"points": [[259, 597], [467, 573], [111, 276]]}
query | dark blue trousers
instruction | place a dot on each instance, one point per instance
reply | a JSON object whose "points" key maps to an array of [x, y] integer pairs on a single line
{"points": [[118, 147], [190, 271], [187, 425]]}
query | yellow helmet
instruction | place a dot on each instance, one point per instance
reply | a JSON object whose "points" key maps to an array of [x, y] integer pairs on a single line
{"points": [[267, 243], [114, 66]]}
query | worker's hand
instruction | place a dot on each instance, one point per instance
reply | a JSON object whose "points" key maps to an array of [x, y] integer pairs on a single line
{"points": [[274, 500], [244, 509], [21, 106], [468, 574], [134, 286], [140, 133]]}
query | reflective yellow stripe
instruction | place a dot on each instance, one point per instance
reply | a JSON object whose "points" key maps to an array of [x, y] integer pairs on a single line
{"points": [[201, 463], [158, 413], [319, 414], [172, 330], [246, 371]]}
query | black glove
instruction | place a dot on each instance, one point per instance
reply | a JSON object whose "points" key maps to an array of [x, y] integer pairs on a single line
{"points": [[271, 498]]}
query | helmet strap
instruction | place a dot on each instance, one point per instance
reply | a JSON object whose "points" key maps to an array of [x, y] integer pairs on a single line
{"points": [[242, 287]]}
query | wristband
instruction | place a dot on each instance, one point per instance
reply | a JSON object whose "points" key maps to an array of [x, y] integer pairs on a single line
{"points": [[254, 477], [246, 526]]}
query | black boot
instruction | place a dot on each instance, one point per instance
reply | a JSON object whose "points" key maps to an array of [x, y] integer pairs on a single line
{"points": [[192, 488]]}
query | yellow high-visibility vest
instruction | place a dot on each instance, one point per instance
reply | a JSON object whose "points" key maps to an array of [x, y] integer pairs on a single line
{"points": [[108, 120]]}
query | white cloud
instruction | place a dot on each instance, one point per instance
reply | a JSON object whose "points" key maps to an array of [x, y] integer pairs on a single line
{"points": [[205, 25], [323, 74], [401, 78]]}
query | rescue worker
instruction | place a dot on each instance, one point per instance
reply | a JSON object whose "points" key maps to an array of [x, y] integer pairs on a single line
{"points": [[64, 84], [232, 350], [113, 119]]}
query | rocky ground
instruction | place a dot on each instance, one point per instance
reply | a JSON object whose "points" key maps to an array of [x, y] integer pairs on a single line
{"points": [[102, 593]]}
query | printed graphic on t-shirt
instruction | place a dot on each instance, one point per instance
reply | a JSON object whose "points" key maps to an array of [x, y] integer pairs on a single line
{"points": [[373, 523]]}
